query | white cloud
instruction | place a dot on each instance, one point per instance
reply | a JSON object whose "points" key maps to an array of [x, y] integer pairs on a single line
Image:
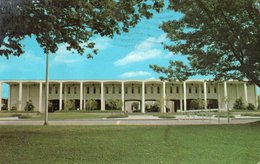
{"points": [[135, 74], [102, 43], [144, 51]]}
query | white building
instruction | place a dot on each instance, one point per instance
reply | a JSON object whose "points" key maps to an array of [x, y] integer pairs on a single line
{"points": [[173, 96]]}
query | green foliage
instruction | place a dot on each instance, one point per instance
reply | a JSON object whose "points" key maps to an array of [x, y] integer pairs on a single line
{"points": [[114, 104], [118, 116], [91, 104], [135, 105], [250, 107], [72, 23], [218, 37], [239, 104], [70, 105], [197, 104], [156, 107], [4, 107], [29, 106], [14, 108]]}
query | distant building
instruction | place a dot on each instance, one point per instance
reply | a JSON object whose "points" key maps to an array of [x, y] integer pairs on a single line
{"points": [[137, 95]]}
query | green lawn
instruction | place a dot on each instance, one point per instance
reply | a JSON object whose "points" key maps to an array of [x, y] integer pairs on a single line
{"points": [[130, 144]]}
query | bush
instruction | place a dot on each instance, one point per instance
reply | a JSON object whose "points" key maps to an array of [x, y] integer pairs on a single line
{"points": [[4, 107], [113, 104], [14, 108], [70, 105], [91, 104], [250, 107], [29, 106], [135, 106], [239, 104], [197, 104], [153, 108]]}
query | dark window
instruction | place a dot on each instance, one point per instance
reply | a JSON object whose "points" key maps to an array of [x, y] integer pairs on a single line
{"points": [[196, 90], [189, 89], [171, 90], [202, 91], [56, 90], [107, 91], [145, 90], [126, 90], [158, 90], [208, 89], [151, 90], [94, 90], [133, 90], [119, 91], [87, 90], [215, 89], [177, 89], [68, 90], [113, 90], [139, 90]]}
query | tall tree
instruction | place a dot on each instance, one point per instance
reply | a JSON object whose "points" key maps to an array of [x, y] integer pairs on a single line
{"points": [[72, 22], [218, 37]]}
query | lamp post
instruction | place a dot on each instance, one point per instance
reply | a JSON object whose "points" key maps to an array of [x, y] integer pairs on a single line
{"points": [[46, 90]]}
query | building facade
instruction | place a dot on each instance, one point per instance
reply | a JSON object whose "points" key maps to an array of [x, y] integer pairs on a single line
{"points": [[136, 95]]}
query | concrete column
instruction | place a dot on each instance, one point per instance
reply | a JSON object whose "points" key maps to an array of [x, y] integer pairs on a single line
{"points": [[40, 97], [143, 97], [27, 93], [256, 97], [123, 95], [9, 97], [205, 94], [81, 96], [20, 96], [245, 92], [84, 98], [181, 95], [237, 91], [184, 96], [219, 101], [225, 95], [164, 97], [199, 91], [60, 102], [102, 97], [0, 95]]}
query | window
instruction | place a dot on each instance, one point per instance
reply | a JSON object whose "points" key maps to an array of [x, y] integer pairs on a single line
{"points": [[62, 89], [56, 90], [139, 90], [107, 91], [196, 90], [145, 90], [87, 90], [126, 90], [215, 89], [133, 90], [68, 90], [50, 88], [189, 89], [94, 90], [171, 90], [113, 90], [75, 90], [119, 91], [208, 89], [202, 91], [152, 90], [177, 89], [158, 90]]}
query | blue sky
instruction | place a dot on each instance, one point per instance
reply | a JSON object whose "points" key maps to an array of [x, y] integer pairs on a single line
{"points": [[124, 57]]}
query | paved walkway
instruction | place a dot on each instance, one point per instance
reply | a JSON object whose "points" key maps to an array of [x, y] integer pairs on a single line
{"points": [[137, 121]]}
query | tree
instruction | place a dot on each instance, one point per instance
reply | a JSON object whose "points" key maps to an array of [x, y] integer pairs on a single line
{"points": [[218, 37], [91, 104], [239, 104], [73, 23]]}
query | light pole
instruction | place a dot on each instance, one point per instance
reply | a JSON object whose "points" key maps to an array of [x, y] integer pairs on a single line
{"points": [[46, 90]]}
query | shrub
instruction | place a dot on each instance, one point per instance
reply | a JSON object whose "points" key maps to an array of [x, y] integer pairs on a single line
{"points": [[70, 105], [250, 107], [29, 106], [4, 107], [239, 104], [135, 106], [14, 108], [197, 104], [113, 104], [91, 104]]}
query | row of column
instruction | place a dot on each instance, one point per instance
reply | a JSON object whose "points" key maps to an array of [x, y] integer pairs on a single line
{"points": [[182, 96]]}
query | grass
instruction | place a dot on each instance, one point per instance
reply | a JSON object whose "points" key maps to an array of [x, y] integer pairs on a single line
{"points": [[250, 114], [130, 144], [165, 115], [118, 116]]}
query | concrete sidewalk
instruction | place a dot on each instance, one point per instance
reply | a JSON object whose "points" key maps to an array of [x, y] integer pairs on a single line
{"points": [[123, 121]]}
